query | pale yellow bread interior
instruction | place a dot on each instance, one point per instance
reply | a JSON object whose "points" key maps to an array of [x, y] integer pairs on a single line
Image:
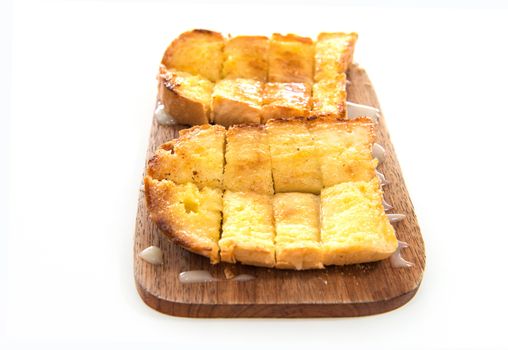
{"points": [[297, 236], [248, 229], [248, 165], [197, 156], [189, 216], [246, 57], [354, 227]]}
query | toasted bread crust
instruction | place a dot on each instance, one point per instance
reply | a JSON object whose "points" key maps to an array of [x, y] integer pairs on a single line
{"points": [[161, 197]]}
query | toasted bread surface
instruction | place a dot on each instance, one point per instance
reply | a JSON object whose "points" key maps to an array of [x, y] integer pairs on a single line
{"points": [[329, 97], [247, 229], [186, 97], [198, 52], [246, 57], [197, 156], [189, 216], [295, 166], [236, 101], [290, 59], [285, 100], [297, 237], [354, 226], [344, 149], [248, 165], [334, 54]]}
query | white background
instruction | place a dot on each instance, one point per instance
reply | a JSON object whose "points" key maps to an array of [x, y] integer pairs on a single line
{"points": [[74, 129]]}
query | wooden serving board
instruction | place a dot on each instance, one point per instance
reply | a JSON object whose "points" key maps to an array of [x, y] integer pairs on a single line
{"points": [[355, 290]]}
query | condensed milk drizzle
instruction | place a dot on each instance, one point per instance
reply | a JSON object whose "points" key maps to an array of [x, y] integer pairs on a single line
{"points": [[201, 276], [396, 260]]}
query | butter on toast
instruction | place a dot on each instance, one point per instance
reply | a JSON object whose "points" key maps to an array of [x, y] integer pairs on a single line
{"points": [[246, 57], [189, 216], [290, 59], [285, 100], [247, 229], [354, 226], [196, 156], [199, 52], [248, 165], [297, 238], [333, 55], [236, 101]]}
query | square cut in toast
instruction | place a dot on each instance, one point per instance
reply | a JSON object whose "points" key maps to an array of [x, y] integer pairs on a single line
{"points": [[247, 229], [189, 216], [344, 149], [197, 52], [334, 53], [236, 101], [285, 100], [354, 226], [246, 57], [297, 242], [196, 156], [248, 165], [290, 59], [185, 97], [295, 167], [329, 97]]}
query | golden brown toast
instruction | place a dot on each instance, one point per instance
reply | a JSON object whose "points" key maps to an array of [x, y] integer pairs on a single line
{"points": [[344, 149], [247, 229], [297, 241], [185, 97], [290, 59], [246, 57], [236, 101], [248, 164], [189, 216], [199, 52], [334, 54], [295, 166], [197, 156], [285, 100], [329, 97], [354, 226]]}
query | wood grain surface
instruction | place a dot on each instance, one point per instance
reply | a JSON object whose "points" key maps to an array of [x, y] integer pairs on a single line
{"points": [[356, 290]]}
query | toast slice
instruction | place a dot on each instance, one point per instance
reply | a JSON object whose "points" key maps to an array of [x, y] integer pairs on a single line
{"points": [[246, 57], [291, 59], [236, 101], [334, 54], [189, 216], [185, 97], [248, 164], [196, 156], [329, 97], [354, 226], [247, 229], [285, 100], [295, 167], [344, 149], [297, 237], [199, 52]]}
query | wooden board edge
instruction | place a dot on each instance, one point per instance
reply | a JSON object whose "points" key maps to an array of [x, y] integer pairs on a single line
{"points": [[174, 308]]}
